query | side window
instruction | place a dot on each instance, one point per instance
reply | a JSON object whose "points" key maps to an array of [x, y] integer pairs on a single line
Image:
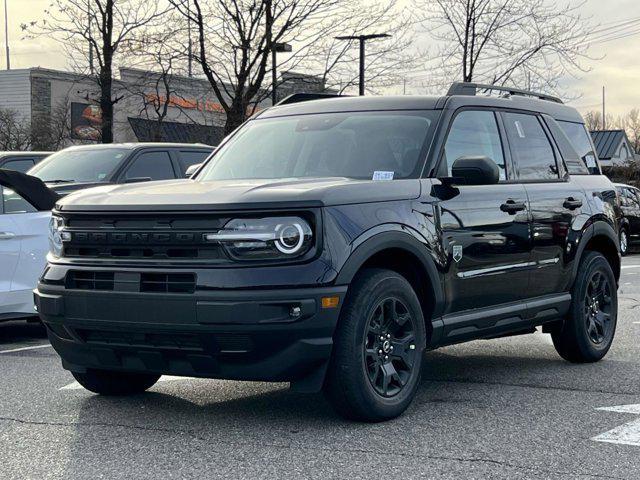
{"points": [[475, 133], [581, 141], [153, 165], [633, 198], [530, 147], [193, 157], [21, 165], [622, 195], [14, 203]]}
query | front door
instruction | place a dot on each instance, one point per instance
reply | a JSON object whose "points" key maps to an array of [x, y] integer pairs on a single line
{"points": [[9, 253], [485, 229]]}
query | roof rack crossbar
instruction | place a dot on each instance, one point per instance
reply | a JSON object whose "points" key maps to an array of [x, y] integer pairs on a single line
{"points": [[466, 88], [305, 97]]}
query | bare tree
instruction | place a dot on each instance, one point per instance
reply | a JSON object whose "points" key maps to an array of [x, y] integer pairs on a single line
{"points": [[235, 39], [500, 42], [15, 131], [593, 120], [632, 123], [93, 32]]}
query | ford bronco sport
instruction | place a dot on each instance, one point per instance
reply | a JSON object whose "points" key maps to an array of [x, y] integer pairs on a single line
{"points": [[329, 243]]}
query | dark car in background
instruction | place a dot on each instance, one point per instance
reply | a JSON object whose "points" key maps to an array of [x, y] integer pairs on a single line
{"points": [[75, 168], [21, 161], [630, 224]]}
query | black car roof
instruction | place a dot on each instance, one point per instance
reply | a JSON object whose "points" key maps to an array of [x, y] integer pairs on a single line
{"points": [[556, 110]]}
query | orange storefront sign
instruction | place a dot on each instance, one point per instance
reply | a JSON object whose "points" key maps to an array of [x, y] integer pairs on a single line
{"points": [[187, 103]]}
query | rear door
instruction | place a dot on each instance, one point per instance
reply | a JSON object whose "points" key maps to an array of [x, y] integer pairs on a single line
{"points": [[9, 252], [632, 212], [486, 228], [556, 202]]}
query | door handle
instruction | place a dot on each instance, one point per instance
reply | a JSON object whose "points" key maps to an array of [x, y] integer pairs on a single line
{"points": [[511, 207], [7, 235], [571, 203]]}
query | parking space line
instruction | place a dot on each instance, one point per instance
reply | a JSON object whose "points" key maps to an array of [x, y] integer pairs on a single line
{"points": [[165, 378], [22, 349], [624, 267]]}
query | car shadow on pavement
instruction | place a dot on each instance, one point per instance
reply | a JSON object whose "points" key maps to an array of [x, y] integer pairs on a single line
{"points": [[16, 331]]}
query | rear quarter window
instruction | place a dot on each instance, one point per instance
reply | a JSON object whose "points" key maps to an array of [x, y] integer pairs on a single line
{"points": [[581, 142]]}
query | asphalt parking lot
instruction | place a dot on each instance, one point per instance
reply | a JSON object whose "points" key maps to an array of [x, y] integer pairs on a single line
{"points": [[508, 408]]}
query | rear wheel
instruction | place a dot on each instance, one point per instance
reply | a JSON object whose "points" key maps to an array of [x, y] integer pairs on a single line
{"points": [[624, 242], [375, 366], [587, 334], [107, 382]]}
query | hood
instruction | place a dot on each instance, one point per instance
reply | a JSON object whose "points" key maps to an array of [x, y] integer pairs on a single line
{"points": [[239, 194]]}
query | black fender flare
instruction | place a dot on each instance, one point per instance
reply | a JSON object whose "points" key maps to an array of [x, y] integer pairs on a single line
{"points": [[598, 228], [402, 240]]}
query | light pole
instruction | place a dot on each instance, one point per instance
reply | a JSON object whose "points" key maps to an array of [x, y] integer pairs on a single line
{"points": [[277, 48], [6, 33], [362, 39]]}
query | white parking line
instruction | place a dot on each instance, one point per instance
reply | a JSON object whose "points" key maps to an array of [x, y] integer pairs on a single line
{"points": [[630, 266], [164, 378], [22, 349]]}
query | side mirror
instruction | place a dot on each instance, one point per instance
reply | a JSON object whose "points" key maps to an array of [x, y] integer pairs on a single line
{"points": [[192, 169], [475, 171], [137, 179]]}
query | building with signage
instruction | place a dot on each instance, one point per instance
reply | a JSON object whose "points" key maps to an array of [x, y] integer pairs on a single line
{"points": [[187, 111]]}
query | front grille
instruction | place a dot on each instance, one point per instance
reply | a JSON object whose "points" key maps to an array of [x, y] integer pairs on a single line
{"points": [[168, 282], [143, 237], [85, 280], [131, 281]]}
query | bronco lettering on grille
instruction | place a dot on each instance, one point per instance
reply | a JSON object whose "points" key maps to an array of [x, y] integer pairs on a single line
{"points": [[127, 238]]}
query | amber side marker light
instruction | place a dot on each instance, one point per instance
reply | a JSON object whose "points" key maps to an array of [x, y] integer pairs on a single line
{"points": [[330, 302]]}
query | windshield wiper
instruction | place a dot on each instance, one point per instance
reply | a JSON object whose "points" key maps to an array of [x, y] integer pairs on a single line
{"points": [[60, 181]]}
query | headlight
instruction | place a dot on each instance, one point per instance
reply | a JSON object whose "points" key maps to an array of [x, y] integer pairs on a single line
{"points": [[264, 238], [55, 235]]}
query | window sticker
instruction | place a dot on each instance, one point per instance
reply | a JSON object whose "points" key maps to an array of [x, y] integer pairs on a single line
{"points": [[381, 175], [520, 129]]}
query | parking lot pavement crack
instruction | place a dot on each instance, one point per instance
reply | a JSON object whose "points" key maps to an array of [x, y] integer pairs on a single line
{"points": [[364, 451], [531, 385]]}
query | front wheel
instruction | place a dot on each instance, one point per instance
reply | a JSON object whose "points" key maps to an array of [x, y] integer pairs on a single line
{"points": [[375, 367], [624, 242], [105, 382], [587, 334]]}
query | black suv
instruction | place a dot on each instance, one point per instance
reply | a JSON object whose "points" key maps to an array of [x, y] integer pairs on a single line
{"points": [[76, 168], [630, 224], [329, 243]]}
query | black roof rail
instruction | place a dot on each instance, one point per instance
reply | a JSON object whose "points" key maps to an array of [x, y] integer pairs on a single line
{"points": [[305, 97], [466, 88]]}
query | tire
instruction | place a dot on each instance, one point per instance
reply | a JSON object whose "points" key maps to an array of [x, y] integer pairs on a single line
{"points": [[587, 334], [375, 367], [624, 242], [106, 382]]}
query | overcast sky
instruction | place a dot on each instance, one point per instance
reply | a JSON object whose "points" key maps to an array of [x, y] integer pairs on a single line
{"points": [[619, 70]]}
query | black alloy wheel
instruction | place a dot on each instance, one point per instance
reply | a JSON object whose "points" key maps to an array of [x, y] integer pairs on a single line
{"points": [[598, 307], [390, 347]]}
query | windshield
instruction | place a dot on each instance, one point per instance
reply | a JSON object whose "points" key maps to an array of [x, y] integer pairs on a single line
{"points": [[361, 145], [86, 165]]}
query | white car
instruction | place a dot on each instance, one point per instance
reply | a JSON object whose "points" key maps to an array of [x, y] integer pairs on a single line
{"points": [[23, 249]]}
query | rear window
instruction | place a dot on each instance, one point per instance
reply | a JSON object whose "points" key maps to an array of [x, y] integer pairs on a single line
{"points": [[360, 145], [581, 142]]}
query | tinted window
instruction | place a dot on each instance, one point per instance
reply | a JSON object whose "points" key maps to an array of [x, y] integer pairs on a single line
{"points": [[191, 158], [21, 165], [632, 198], [581, 141], [530, 146], [14, 203], [475, 133], [353, 145], [153, 165], [80, 165]]}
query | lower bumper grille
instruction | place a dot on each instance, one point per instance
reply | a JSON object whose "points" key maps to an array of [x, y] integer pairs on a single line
{"points": [[131, 282]]}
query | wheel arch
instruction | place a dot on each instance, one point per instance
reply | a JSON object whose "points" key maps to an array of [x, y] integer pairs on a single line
{"points": [[405, 254], [602, 238]]}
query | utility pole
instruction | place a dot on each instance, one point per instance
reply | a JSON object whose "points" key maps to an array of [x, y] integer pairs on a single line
{"points": [[91, 69], [190, 47], [604, 112], [6, 34], [362, 39]]}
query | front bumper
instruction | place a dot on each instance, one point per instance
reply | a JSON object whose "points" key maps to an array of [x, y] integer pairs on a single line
{"points": [[227, 334]]}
